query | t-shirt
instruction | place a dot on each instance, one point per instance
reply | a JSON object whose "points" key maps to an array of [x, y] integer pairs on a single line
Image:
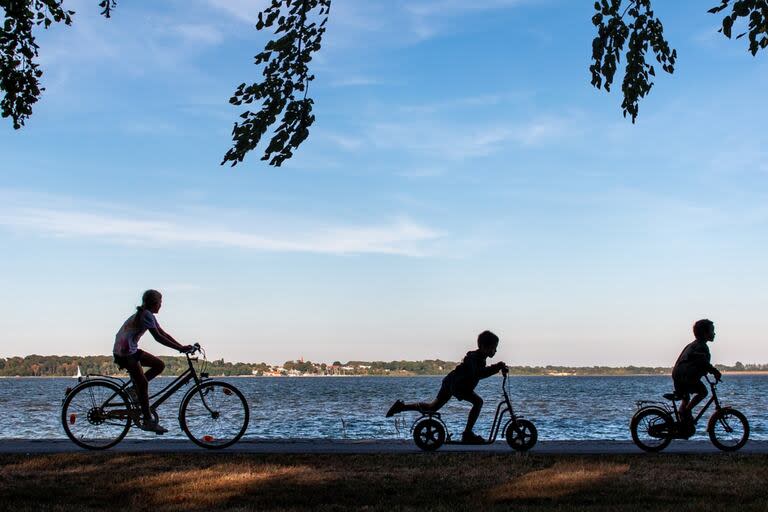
{"points": [[127, 338], [465, 377], [694, 362]]}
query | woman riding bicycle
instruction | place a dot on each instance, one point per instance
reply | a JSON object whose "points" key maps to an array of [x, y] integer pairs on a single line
{"points": [[129, 356]]}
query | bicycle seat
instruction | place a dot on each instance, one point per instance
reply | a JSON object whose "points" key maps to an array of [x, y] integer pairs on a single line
{"points": [[672, 396]]}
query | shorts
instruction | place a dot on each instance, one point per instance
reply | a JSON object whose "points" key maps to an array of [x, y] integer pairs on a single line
{"points": [[686, 387], [449, 389], [123, 361]]}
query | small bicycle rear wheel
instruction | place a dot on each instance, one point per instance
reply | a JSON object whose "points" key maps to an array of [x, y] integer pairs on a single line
{"points": [[651, 429], [429, 434], [96, 415], [728, 430], [214, 415], [521, 435]]}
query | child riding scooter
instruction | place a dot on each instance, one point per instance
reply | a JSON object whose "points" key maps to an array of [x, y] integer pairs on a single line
{"points": [[461, 383]]}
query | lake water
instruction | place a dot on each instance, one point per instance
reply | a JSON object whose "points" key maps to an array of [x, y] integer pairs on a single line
{"points": [[576, 408]]}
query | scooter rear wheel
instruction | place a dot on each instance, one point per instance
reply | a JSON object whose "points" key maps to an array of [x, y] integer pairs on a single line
{"points": [[429, 434], [521, 435]]}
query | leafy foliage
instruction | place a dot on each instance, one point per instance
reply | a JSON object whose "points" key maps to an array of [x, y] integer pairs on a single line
{"points": [[624, 27], [285, 85], [106, 7], [640, 32], [755, 11], [19, 73]]}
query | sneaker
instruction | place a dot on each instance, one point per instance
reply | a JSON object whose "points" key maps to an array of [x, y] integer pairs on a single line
{"points": [[687, 425], [471, 438], [153, 426], [396, 408]]}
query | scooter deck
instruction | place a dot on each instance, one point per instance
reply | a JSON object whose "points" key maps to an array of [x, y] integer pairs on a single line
{"points": [[450, 441]]}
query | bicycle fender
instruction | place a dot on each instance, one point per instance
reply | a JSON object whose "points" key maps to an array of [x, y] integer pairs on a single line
{"points": [[656, 408], [435, 417], [87, 381]]}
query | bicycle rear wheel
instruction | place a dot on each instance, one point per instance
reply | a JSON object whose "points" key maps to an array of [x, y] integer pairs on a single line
{"points": [[96, 415], [214, 414], [651, 429], [728, 430]]}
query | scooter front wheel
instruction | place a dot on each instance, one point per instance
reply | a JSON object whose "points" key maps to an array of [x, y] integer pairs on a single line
{"points": [[429, 434], [521, 435]]}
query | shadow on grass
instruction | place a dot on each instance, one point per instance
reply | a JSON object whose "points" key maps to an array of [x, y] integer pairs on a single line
{"points": [[204, 481]]}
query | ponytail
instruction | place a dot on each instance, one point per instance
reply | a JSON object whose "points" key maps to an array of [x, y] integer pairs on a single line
{"points": [[137, 315], [147, 297]]}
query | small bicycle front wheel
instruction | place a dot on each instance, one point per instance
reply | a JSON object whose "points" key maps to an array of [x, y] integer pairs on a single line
{"points": [[96, 415], [521, 435], [214, 415], [728, 430], [429, 434], [651, 429]]}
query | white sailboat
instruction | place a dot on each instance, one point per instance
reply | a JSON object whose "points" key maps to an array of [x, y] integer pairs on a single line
{"points": [[79, 373]]}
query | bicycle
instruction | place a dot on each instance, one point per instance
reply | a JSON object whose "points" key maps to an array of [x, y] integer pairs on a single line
{"points": [[430, 432], [656, 424], [98, 412]]}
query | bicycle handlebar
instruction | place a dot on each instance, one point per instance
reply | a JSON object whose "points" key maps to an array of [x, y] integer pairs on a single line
{"points": [[195, 348], [715, 383]]}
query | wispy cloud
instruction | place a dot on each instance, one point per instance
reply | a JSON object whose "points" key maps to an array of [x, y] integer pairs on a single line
{"points": [[244, 10], [345, 142], [441, 140], [451, 105], [354, 81], [199, 33], [450, 7], [399, 236]]}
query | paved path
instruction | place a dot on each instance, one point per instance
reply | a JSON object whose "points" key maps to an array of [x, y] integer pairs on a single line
{"points": [[364, 446]]}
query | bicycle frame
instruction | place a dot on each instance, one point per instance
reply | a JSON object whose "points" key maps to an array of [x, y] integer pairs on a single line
{"points": [[703, 409], [674, 409], [164, 394]]}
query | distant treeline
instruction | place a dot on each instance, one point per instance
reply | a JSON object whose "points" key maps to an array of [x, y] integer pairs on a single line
{"points": [[58, 366]]}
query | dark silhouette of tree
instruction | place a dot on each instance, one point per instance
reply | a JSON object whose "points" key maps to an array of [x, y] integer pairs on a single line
{"points": [[624, 27]]}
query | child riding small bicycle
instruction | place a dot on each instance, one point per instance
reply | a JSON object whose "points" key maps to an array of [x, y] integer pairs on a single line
{"points": [[693, 364], [461, 383], [129, 356]]}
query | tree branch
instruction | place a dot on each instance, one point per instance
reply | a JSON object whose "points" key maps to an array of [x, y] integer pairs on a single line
{"points": [[285, 72]]}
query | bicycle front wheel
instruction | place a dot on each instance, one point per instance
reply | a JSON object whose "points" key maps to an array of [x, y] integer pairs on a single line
{"points": [[96, 415], [728, 430], [214, 415]]}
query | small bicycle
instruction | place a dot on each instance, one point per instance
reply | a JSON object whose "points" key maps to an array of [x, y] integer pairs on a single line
{"points": [[98, 412], [656, 424], [430, 432]]}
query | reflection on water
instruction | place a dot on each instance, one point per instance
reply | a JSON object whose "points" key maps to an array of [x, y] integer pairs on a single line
{"points": [[354, 407]]}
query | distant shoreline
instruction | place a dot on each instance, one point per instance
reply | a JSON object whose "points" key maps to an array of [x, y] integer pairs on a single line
{"points": [[602, 375]]}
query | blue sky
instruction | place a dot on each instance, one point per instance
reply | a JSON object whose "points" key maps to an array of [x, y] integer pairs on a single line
{"points": [[462, 175]]}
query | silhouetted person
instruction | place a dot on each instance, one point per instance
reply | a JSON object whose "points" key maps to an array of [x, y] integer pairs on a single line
{"points": [[128, 355], [691, 366], [461, 383]]}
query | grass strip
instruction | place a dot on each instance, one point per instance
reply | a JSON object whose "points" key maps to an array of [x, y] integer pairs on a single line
{"points": [[439, 481]]}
